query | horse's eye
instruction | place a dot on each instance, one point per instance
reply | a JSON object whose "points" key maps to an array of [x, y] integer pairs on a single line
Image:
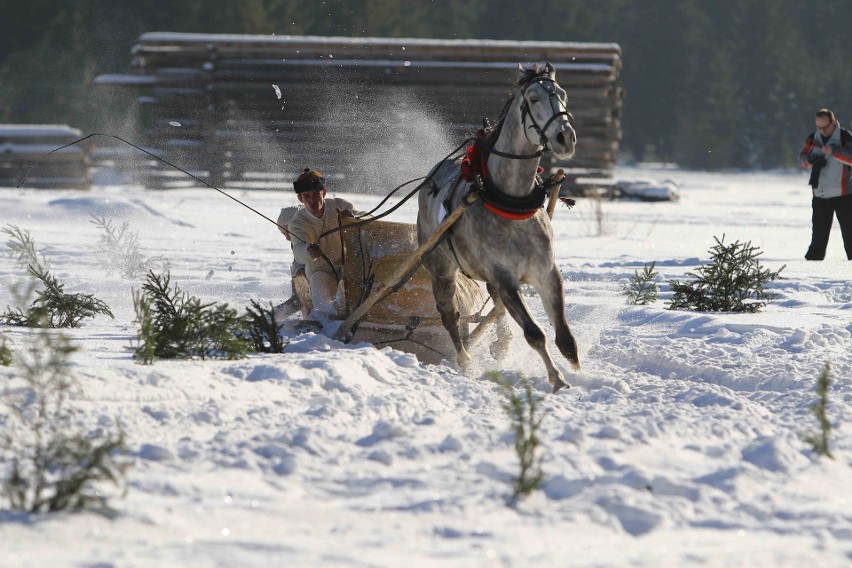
{"points": [[534, 100]]}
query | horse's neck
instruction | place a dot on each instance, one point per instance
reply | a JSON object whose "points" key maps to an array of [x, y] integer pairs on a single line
{"points": [[513, 176]]}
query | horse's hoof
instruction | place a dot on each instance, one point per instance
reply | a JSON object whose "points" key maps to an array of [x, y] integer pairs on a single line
{"points": [[559, 385], [498, 350], [462, 360]]}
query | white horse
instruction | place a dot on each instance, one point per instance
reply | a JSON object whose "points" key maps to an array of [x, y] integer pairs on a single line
{"points": [[504, 238]]}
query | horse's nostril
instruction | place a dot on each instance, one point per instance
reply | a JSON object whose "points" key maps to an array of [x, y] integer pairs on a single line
{"points": [[561, 138]]}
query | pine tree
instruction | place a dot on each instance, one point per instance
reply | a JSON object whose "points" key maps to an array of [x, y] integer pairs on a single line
{"points": [[733, 281]]}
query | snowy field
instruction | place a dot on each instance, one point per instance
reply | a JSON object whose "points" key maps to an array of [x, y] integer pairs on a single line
{"points": [[678, 444]]}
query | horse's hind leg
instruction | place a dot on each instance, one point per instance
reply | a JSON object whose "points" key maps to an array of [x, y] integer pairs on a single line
{"points": [[517, 308], [444, 290], [499, 347], [553, 299]]}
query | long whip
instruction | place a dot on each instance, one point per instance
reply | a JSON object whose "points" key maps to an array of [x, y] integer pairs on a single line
{"points": [[163, 160]]}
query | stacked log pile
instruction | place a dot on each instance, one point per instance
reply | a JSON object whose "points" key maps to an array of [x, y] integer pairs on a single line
{"points": [[27, 156], [235, 106]]}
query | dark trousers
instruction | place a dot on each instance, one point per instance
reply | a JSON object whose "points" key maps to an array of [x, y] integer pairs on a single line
{"points": [[824, 211]]}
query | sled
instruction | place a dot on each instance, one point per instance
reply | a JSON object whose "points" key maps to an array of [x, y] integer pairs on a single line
{"points": [[387, 295], [386, 308]]}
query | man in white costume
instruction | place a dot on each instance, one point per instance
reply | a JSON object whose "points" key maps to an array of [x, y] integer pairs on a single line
{"points": [[322, 258]]}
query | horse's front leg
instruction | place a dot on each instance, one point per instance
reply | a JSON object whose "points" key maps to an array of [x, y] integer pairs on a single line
{"points": [[509, 293], [553, 298], [444, 290]]}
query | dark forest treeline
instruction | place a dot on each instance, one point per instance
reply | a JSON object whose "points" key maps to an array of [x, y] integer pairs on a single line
{"points": [[708, 84]]}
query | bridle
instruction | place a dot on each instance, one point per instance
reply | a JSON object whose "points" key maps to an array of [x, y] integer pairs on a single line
{"points": [[549, 85], [474, 168]]}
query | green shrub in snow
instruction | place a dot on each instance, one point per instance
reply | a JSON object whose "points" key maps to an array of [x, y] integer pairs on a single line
{"points": [[642, 289], [733, 281], [52, 307], [819, 440], [46, 463], [263, 330], [523, 409], [174, 325]]}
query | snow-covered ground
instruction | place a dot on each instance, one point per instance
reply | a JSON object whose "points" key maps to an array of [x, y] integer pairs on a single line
{"points": [[678, 444]]}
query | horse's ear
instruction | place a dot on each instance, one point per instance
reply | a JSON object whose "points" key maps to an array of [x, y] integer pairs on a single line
{"points": [[521, 72], [551, 72]]}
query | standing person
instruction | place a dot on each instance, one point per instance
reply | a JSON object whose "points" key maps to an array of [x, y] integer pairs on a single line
{"points": [[323, 258], [828, 154]]}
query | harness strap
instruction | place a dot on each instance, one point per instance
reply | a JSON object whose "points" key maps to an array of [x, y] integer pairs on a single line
{"points": [[456, 256], [508, 214], [538, 154], [448, 206]]}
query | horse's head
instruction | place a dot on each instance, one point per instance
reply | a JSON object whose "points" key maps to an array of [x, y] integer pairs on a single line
{"points": [[545, 116]]}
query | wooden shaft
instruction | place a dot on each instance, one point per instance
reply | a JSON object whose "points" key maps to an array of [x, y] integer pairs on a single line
{"points": [[345, 332], [479, 330], [554, 192]]}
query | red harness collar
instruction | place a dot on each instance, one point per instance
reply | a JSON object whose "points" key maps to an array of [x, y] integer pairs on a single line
{"points": [[473, 166], [508, 214]]}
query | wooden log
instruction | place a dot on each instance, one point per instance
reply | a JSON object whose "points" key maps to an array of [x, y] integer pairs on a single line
{"points": [[219, 88], [171, 41], [32, 154]]}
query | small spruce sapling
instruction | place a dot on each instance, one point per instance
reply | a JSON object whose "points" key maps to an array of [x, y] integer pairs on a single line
{"points": [[733, 281], [263, 330], [524, 411], [48, 463], [642, 288], [119, 250], [819, 440], [175, 325], [53, 307]]}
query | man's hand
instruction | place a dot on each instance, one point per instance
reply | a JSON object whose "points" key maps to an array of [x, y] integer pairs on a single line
{"points": [[315, 251]]}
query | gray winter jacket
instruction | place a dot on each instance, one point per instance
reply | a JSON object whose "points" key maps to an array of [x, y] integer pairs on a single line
{"points": [[835, 178]]}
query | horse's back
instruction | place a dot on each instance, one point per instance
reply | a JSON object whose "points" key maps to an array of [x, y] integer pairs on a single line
{"points": [[433, 194]]}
